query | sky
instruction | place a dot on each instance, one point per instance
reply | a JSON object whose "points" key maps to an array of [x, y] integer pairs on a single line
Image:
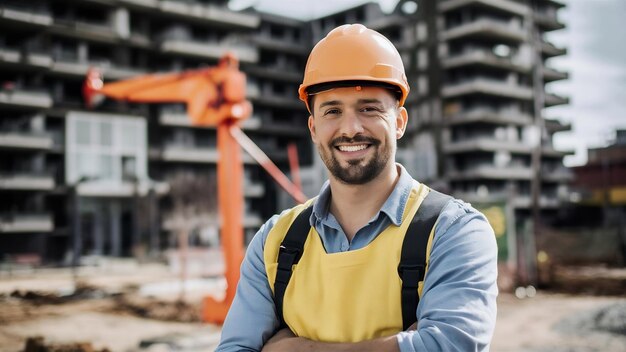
{"points": [[596, 61]]}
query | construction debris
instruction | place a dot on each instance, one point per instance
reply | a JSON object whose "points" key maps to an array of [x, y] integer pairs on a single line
{"points": [[151, 308], [37, 344]]}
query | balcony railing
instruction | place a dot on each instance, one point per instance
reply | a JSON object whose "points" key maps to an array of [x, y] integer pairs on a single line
{"points": [[34, 59], [487, 28], [210, 13], [492, 172], [289, 45], [502, 5], [208, 49], [181, 119], [172, 222], [26, 98], [549, 50], [24, 222], [553, 100], [26, 181], [487, 86], [486, 58], [548, 21], [26, 14], [486, 144], [26, 140], [82, 29], [550, 74], [489, 115]]}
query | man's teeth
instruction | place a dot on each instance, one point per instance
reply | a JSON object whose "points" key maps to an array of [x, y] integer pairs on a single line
{"points": [[352, 148]]}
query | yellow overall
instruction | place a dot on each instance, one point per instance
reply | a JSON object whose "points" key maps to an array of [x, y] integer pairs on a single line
{"points": [[347, 296]]}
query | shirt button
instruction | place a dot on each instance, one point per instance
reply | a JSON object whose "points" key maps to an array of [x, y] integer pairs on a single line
{"points": [[344, 247]]}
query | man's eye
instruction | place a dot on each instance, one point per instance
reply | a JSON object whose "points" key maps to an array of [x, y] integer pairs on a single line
{"points": [[331, 112], [370, 109]]}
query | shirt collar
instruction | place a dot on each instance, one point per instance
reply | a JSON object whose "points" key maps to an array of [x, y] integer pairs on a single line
{"points": [[393, 206]]}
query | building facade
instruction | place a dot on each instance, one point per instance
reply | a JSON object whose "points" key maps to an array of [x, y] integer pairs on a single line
{"points": [[121, 179]]}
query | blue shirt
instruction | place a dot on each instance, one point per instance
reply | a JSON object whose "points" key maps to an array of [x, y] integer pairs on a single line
{"points": [[457, 309]]}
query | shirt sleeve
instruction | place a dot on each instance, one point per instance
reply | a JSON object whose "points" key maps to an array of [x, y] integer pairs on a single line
{"points": [[457, 309], [251, 319]]}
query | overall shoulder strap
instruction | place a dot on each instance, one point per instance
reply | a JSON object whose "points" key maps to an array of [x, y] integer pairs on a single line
{"points": [[413, 258], [289, 254]]}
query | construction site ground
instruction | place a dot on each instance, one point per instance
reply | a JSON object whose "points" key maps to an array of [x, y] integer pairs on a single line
{"points": [[126, 306]]}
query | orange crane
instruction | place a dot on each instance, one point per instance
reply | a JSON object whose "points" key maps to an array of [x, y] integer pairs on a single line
{"points": [[214, 96]]}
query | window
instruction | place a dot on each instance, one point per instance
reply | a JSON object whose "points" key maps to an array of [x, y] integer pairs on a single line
{"points": [[105, 147]]}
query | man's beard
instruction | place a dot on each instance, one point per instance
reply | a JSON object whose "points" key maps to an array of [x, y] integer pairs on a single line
{"points": [[356, 173]]}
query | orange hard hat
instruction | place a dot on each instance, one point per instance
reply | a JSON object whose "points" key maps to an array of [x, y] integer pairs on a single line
{"points": [[354, 53]]}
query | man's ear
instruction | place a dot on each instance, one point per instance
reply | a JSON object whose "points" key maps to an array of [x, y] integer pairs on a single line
{"points": [[402, 119], [311, 124]]}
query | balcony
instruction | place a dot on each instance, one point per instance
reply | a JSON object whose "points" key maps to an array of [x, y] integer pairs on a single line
{"points": [[121, 189], [488, 144], [25, 98], [489, 87], [559, 174], [171, 222], [25, 15], [208, 49], [487, 28], [488, 115], [72, 67], [485, 58], [210, 13], [17, 223], [551, 75], [81, 29], [548, 21], [553, 125], [549, 151], [26, 182], [545, 202], [190, 154], [492, 172], [12, 56], [554, 100], [277, 72], [505, 6], [284, 45], [278, 101], [549, 50], [253, 190], [181, 119], [150, 4], [25, 140]]}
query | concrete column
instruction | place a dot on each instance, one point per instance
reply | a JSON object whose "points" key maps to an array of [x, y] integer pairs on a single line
{"points": [[115, 216], [121, 22], [98, 236]]}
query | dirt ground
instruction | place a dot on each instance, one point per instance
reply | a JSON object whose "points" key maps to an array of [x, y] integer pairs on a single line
{"points": [[137, 308]]}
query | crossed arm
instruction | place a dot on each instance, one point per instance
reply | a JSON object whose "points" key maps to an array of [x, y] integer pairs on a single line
{"points": [[285, 341], [456, 312]]}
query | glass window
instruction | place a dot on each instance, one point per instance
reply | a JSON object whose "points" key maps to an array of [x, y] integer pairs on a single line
{"points": [[106, 167], [106, 133], [128, 135], [83, 129]]}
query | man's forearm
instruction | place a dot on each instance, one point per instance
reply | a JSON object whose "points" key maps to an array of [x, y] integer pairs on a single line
{"points": [[285, 340]]}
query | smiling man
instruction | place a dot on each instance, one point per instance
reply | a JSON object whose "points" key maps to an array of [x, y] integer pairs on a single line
{"points": [[377, 261]]}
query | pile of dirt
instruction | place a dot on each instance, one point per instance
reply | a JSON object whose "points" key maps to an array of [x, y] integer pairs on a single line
{"points": [[151, 308], [81, 292], [587, 280], [37, 344]]}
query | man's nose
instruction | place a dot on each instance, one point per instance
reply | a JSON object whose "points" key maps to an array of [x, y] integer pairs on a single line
{"points": [[351, 124]]}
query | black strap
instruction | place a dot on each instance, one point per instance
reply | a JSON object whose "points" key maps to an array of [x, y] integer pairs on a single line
{"points": [[412, 267], [289, 254]]}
